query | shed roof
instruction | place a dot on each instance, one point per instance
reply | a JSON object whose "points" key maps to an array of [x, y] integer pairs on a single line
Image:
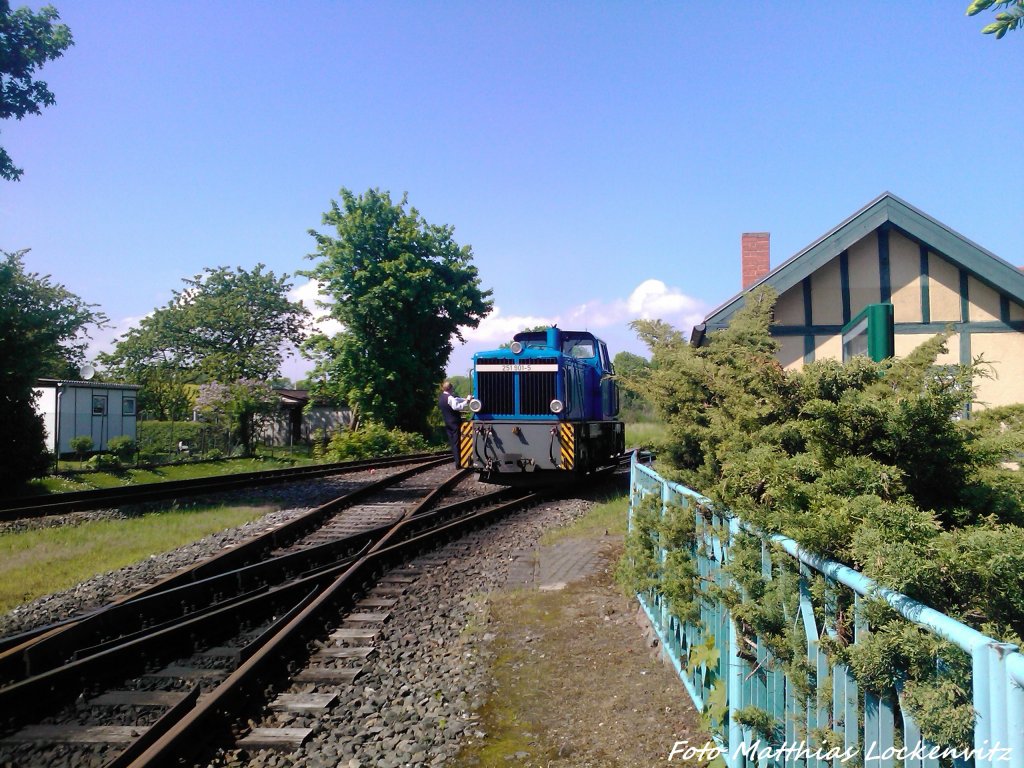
{"points": [[887, 209], [90, 384]]}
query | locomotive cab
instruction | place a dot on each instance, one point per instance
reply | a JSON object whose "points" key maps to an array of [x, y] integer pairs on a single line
{"points": [[549, 402]]}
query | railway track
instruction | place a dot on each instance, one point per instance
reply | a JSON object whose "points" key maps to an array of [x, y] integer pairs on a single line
{"points": [[77, 501], [137, 682], [260, 634]]}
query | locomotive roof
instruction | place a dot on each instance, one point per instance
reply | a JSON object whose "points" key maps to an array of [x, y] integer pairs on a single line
{"points": [[543, 335]]}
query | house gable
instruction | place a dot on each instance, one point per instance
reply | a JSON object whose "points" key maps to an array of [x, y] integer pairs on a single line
{"points": [[853, 238], [890, 252]]}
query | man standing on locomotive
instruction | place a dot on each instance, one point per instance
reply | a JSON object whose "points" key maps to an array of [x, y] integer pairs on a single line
{"points": [[450, 406]]}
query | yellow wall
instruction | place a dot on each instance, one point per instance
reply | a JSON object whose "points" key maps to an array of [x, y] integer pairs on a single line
{"points": [[864, 278], [789, 309], [828, 347], [905, 279], [1005, 351], [943, 290], [791, 352], [905, 343], [827, 295], [984, 301]]}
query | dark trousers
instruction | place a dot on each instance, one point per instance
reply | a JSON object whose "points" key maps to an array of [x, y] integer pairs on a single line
{"points": [[453, 440]]}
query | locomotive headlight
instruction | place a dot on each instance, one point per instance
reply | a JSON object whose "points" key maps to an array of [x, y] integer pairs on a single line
{"points": [[475, 405], [557, 406], [516, 347]]}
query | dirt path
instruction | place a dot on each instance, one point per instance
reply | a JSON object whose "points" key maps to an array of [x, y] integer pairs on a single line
{"points": [[575, 683]]}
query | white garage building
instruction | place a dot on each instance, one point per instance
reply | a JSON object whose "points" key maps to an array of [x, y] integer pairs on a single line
{"points": [[97, 409]]}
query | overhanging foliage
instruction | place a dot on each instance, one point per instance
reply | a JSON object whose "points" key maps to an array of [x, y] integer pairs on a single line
{"points": [[870, 464]]}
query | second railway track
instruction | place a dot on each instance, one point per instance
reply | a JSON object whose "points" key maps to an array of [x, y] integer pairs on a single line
{"points": [[135, 683], [26, 507]]}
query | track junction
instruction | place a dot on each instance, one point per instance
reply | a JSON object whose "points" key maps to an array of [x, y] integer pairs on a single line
{"points": [[184, 665]]}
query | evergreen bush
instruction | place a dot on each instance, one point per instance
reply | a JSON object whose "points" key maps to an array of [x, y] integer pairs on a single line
{"points": [[81, 445], [869, 463]]}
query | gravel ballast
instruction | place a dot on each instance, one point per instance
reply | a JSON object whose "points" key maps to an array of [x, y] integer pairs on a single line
{"points": [[416, 701]]}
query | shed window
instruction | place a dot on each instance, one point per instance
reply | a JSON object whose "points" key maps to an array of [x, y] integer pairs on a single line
{"points": [[128, 406], [99, 405]]}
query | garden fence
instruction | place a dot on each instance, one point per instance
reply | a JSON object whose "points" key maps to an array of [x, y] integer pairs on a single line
{"points": [[864, 727]]}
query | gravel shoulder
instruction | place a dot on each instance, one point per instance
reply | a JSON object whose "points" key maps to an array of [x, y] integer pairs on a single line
{"points": [[574, 681]]}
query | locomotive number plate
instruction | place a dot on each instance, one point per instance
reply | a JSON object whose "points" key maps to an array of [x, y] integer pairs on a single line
{"points": [[516, 367]]}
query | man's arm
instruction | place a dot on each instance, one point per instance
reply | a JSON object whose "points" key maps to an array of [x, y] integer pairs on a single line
{"points": [[458, 403]]}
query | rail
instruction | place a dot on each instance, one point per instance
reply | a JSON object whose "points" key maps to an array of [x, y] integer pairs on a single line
{"points": [[24, 507], [725, 667]]}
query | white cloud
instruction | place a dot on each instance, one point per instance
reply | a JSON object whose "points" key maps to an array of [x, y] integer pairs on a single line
{"points": [[651, 300], [308, 294], [105, 339], [496, 329]]}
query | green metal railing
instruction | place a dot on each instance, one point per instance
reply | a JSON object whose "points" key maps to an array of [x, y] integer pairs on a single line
{"points": [[726, 667]]}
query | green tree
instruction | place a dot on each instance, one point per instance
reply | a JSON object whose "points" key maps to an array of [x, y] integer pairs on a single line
{"points": [[27, 41], [462, 386], [41, 334], [632, 371], [224, 325], [165, 395], [1010, 19], [81, 445], [401, 288]]}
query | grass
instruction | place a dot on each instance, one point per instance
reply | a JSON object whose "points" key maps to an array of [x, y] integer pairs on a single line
{"points": [[84, 481], [645, 434], [45, 560], [608, 517]]}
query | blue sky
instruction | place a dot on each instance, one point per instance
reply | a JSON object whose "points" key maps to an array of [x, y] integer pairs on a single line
{"points": [[602, 159]]}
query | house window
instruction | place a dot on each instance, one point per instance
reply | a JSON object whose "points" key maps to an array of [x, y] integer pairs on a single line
{"points": [[99, 405], [128, 406]]}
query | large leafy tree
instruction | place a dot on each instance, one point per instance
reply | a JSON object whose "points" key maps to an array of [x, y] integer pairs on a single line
{"points": [[27, 41], [226, 324], [401, 288], [42, 328]]}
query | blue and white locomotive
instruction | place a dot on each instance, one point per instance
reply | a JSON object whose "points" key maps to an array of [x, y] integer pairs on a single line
{"points": [[548, 402]]}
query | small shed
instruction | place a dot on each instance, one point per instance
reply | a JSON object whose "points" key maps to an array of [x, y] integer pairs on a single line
{"points": [[99, 410], [296, 419]]}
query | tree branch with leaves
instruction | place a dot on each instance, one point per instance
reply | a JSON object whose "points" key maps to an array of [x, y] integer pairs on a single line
{"points": [[27, 41], [226, 324], [1006, 21], [42, 333]]}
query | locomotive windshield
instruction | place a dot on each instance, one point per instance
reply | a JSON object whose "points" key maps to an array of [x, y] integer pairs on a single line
{"points": [[578, 348]]}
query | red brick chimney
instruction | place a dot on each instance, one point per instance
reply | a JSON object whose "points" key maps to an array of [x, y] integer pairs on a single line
{"points": [[756, 253]]}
